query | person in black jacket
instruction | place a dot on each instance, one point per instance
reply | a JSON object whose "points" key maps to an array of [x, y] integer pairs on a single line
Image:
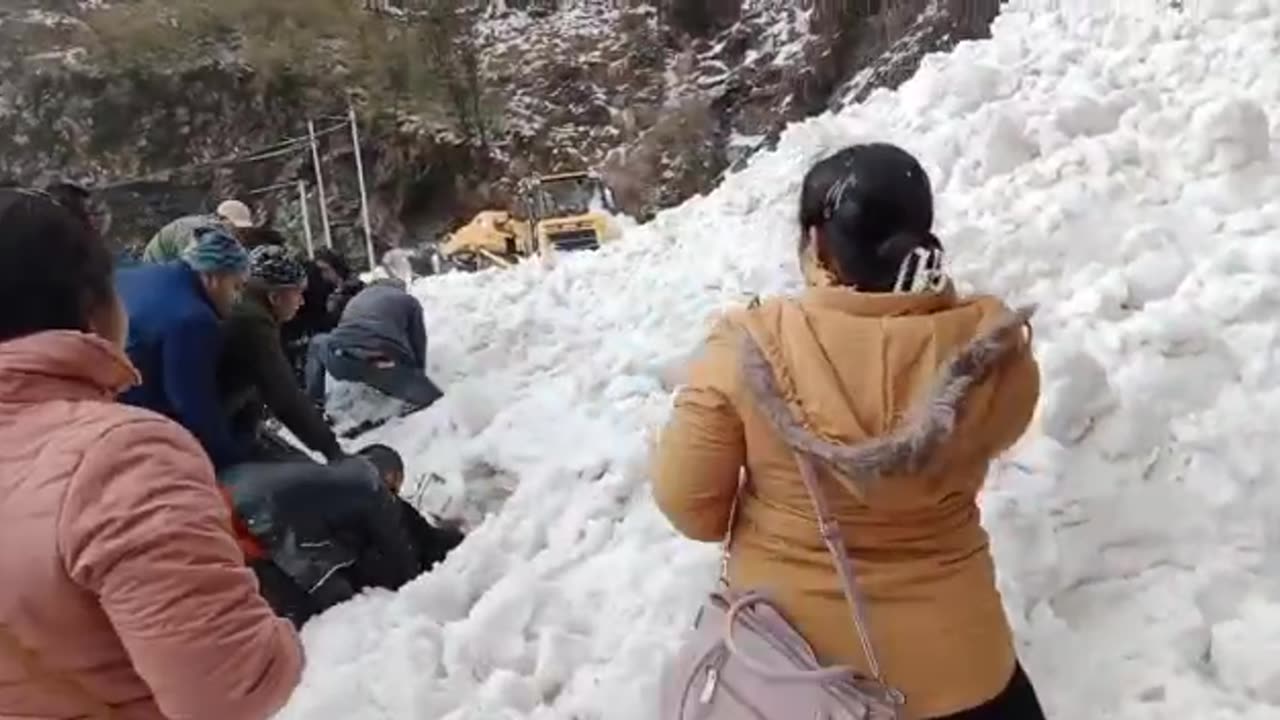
{"points": [[344, 284], [330, 285], [329, 532], [254, 376], [430, 543]]}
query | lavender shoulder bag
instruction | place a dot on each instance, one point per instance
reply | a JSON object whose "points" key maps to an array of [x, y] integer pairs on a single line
{"points": [[744, 661]]}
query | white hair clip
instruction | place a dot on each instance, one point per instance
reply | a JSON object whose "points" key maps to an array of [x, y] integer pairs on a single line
{"points": [[921, 271]]}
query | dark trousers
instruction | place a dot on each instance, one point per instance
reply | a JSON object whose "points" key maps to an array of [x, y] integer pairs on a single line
{"points": [[1017, 701], [402, 382]]}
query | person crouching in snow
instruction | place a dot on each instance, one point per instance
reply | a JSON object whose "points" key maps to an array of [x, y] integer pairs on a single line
{"points": [[380, 341], [125, 594], [330, 285], [430, 543], [254, 375], [902, 392], [329, 531], [175, 336]]}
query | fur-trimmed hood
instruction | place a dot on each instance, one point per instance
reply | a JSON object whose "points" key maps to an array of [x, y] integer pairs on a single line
{"points": [[876, 385], [922, 390]]}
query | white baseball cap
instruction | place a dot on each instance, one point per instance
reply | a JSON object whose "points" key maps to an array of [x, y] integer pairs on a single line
{"points": [[236, 213]]}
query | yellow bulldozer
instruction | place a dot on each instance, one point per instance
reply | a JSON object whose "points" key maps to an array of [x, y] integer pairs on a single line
{"points": [[555, 213]]}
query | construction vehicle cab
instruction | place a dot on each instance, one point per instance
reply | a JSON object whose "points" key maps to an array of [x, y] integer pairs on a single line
{"points": [[555, 213]]}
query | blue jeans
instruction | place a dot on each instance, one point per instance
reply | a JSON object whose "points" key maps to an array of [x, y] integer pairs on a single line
{"points": [[404, 383]]}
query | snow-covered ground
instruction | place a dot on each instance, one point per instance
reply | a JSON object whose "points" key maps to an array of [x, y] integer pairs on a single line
{"points": [[1116, 169]]}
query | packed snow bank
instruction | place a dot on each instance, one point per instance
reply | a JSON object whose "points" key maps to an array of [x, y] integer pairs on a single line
{"points": [[1116, 170]]}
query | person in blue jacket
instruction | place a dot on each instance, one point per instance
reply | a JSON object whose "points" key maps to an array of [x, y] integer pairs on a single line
{"points": [[175, 336]]}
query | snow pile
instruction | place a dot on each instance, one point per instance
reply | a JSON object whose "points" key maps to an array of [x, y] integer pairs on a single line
{"points": [[1116, 169]]}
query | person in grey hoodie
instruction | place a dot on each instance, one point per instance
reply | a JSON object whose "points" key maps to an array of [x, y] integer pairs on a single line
{"points": [[380, 341]]}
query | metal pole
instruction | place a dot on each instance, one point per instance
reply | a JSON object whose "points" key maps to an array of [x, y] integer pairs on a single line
{"points": [[306, 219], [364, 194], [315, 160]]}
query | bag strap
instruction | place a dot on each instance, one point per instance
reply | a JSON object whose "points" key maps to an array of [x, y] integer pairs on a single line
{"points": [[834, 540], [727, 543], [831, 537], [63, 684]]}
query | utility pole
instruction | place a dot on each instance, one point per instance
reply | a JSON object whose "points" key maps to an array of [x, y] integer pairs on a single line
{"points": [[306, 219], [315, 160], [364, 193]]}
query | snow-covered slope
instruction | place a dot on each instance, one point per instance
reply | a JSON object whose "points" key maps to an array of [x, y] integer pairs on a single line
{"points": [[1118, 170]]}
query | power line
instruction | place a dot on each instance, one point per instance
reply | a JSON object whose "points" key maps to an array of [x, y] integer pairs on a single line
{"points": [[277, 149], [270, 188], [289, 146]]}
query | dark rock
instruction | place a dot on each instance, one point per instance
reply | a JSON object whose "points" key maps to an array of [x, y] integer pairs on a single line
{"points": [[664, 98], [701, 18]]}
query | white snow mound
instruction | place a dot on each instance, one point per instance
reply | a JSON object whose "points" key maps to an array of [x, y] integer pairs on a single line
{"points": [[1115, 168]]}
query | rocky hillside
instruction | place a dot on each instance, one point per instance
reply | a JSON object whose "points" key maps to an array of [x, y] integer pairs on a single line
{"points": [[663, 97]]}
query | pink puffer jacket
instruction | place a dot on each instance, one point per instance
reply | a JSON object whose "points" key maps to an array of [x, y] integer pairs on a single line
{"points": [[117, 562]]}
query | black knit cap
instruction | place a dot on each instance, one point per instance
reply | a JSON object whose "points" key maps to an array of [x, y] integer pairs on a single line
{"points": [[275, 266]]}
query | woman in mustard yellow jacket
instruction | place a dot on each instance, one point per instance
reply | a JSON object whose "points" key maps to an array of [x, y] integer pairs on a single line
{"points": [[903, 392]]}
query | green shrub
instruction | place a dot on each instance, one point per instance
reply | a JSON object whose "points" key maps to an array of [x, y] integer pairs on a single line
{"points": [[424, 63]]}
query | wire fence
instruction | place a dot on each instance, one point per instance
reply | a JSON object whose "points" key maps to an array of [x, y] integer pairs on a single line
{"points": [[278, 149], [283, 148]]}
